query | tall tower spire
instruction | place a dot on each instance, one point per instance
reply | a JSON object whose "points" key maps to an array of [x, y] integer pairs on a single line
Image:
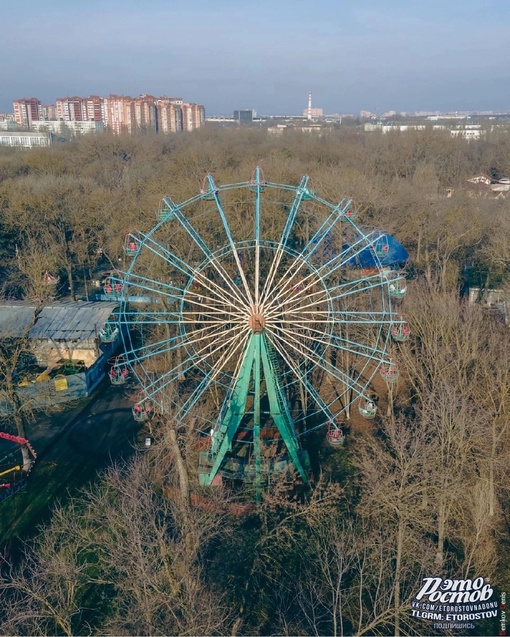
{"points": [[309, 105]]}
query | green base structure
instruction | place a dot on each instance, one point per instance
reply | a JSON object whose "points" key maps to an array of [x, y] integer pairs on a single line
{"points": [[257, 386]]}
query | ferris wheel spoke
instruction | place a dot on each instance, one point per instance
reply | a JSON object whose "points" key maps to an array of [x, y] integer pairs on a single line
{"points": [[286, 289], [159, 289], [347, 317], [216, 309], [235, 344], [288, 292], [298, 305], [157, 348], [325, 228], [149, 318], [195, 360], [307, 330], [195, 396], [221, 295], [211, 376], [176, 292], [313, 244], [227, 337], [373, 354], [209, 335], [303, 336], [303, 378], [286, 233], [361, 286], [349, 253], [189, 318], [360, 349], [201, 244], [198, 298], [176, 373], [169, 344], [147, 241], [204, 317], [226, 227], [295, 342], [257, 236]]}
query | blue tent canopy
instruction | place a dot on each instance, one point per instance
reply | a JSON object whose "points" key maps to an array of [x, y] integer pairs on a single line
{"points": [[384, 251]]}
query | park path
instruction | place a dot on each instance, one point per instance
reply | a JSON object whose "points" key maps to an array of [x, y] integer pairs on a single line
{"points": [[72, 444]]}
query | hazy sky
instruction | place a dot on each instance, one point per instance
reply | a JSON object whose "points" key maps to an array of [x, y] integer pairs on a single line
{"points": [[266, 54]]}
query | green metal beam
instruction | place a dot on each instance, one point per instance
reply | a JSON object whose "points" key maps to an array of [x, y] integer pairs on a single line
{"points": [[259, 363], [279, 409], [235, 411]]}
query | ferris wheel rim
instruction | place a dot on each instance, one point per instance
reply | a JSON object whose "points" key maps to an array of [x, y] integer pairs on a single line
{"points": [[349, 346]]}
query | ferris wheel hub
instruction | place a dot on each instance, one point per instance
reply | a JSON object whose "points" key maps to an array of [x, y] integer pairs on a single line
{"points": [[257, 322]]}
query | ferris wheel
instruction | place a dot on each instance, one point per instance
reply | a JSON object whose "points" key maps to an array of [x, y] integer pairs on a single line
{"points": [[249, 312]]}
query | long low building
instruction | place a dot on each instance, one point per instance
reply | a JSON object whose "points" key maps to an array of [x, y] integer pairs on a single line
{"points": [[68, 129], [25, 140]]}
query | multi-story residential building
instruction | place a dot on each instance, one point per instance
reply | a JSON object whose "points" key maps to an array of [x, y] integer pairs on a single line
{"points": [[68, 129], [169, 114], [48, 112], [25, 140], [144, 113], [193, 116], [118, 113], [26, 111], [70, 109], [94, 108]]}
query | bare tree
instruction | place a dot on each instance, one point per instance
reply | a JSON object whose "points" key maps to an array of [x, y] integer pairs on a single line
{"points": [[127, 546]]}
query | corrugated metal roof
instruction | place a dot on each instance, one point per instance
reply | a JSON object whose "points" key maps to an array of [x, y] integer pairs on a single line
{"points": [[67, 321], [15, 319]]}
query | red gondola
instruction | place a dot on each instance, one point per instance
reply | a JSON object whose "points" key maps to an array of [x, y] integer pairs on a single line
{"points": [[119, 370], [335, 436], [389, 372], [142, 411], [131, 245], [112, 288], [400, 332]]}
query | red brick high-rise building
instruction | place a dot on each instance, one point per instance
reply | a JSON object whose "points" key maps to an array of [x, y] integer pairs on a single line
{"points": [[26, 111], [70, 109], [118, 117], [169, 114], [144, 114], [94, 108], [193, 116]]}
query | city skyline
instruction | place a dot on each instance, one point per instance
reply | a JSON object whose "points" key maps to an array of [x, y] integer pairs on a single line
{"points": [[266, 56]]}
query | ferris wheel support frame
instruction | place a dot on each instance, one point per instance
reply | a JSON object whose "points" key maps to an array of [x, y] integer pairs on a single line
{"points": [[256, 365]]}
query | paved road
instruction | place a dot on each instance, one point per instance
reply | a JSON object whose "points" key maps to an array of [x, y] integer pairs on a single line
{"points": [[72, 445]]}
